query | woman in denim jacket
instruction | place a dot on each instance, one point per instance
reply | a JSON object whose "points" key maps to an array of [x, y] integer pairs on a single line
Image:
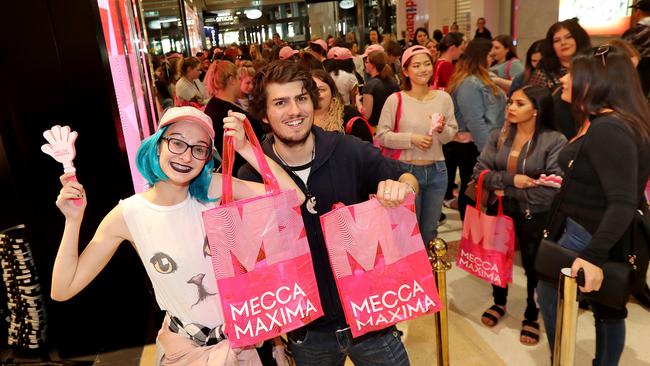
{"points": [[479, 108], [526, 147]]}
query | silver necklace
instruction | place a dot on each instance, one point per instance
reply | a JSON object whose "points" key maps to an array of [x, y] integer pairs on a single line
{"points": [[310, 200]]}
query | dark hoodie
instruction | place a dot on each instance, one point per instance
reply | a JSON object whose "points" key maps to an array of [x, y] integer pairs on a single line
{"points": [[345, 169]]}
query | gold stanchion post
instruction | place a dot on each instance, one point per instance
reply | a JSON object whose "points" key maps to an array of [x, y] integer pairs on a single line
{"points": [[564, 349], [437, 249]]}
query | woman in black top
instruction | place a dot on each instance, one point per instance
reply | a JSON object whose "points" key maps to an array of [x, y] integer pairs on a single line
{"points": [[563, 40], [609, 169], [379, 87], [223, 83]]}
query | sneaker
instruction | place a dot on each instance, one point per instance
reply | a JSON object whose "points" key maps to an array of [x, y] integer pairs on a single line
{"points": [[442, 220], [452, 203]]}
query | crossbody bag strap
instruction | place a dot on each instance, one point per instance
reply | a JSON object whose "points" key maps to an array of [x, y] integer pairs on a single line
{"points": [[508, 65], [398, 113], [437, 74]]}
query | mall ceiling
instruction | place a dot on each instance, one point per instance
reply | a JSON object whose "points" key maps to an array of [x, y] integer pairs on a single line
{"points": [[170, 7]]}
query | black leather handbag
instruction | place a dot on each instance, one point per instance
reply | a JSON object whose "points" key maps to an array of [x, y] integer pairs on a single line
{"points": [[620, 277]]}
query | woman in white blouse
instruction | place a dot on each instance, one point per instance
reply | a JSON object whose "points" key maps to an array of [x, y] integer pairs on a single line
{"points": [[426, 122], [189, 89]]}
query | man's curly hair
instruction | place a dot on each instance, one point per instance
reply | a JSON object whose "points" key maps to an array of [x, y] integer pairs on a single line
{"points": [[281, 72]]}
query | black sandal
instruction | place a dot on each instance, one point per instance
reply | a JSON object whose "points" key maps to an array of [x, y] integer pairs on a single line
{"points": [[501, 311], [534, 335]]}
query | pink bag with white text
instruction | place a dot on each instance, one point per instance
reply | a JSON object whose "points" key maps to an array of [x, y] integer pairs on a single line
{"points": [[261, 258], [487, 244], [380, 265]]}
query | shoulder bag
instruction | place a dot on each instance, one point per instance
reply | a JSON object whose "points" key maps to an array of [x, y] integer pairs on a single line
{"points": [[386, 151], [619, 275]]}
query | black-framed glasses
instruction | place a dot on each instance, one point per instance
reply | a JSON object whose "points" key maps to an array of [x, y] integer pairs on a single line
{"points": [[602, 51], [178, 147]]}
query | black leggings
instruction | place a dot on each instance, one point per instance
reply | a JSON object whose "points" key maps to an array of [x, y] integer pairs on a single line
{"points": [[462, 156], [528, 234]]}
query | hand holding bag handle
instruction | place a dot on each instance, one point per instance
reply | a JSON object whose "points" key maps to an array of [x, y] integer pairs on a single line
{"points": [[270, 182]]}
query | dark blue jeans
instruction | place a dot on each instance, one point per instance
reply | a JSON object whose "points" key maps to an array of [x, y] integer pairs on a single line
{"points": [[432, 180], [610, 323], [331, 348]]}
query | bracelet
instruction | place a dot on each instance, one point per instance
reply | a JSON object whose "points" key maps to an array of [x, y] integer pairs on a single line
{"points": [[410, 186]]}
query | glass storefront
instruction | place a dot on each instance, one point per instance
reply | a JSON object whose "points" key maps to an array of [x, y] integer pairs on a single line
{"points": [[164, 28], [204, 28], [256, 25]]}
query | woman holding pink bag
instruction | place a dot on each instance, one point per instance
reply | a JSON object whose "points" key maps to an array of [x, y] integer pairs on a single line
{"points": [[519, 157], [418, 121], [165, 226]]}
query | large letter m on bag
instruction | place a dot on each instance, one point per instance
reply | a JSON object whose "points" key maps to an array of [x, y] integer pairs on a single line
{"points": [[366, 235], [237, 233]]}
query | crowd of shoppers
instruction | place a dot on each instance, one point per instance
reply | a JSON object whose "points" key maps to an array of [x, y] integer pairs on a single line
{"points": [[443, 104]]}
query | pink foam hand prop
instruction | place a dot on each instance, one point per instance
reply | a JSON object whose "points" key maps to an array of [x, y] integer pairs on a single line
{"points": [[61, 148], [553, 181]]}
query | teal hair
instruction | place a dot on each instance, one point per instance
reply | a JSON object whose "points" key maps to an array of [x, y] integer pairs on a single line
{"points": [[147, 161]]}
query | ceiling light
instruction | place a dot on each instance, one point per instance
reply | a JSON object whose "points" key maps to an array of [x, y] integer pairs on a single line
{"points": [[346, 4], [253, 13]]}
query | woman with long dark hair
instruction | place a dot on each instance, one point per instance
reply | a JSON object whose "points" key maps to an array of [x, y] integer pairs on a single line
{"points": [[526, 147], [479, 106], [609, 166], [450, 51], [563, 40], [533, 58], [421, 36]]}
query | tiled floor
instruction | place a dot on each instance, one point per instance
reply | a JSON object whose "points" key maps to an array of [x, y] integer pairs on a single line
{"points": [[470, 342]]}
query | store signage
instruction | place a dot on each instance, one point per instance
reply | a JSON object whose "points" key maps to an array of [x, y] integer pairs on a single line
{"points": [[412, 14], [598, 17], [151, 13], [225, 18]]}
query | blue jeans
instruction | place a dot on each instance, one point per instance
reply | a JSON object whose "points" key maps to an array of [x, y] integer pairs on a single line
{"points": [[428, 203], [610, 333], [330, 349]]}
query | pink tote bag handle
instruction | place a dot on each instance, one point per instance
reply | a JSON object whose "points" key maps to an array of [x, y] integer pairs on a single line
{"points": [[270, 181]]}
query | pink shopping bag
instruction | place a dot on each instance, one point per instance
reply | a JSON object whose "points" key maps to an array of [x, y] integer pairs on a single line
{"points": [[487, 244], [261, 258], [380, 265]]}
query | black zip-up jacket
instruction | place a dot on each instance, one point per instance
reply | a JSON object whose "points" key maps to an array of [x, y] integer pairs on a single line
{"points": [[345, 169]]}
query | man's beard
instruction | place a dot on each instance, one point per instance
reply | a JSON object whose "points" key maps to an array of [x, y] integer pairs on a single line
{"points": [[294, 141]]}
